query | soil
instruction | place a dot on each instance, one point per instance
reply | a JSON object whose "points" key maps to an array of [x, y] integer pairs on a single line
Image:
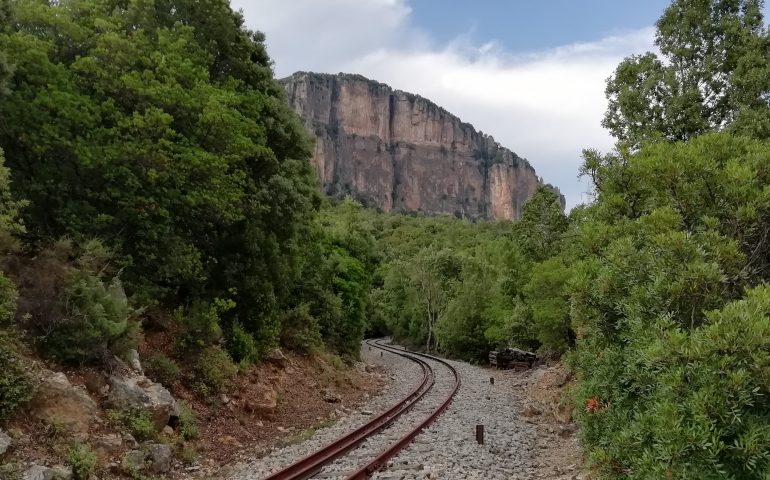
{"points": [[544, 391]]}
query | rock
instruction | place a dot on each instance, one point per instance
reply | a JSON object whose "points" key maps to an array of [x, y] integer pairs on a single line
{"points": [[40, 472], [264, 402], [330, 396], [107, 445], [168, 431], [141, 393], [133, 361], [417, 156], [133, 461], [532, 411], [5, 442], [160, 457], [130, 441], [58, 401], [276, 356]]}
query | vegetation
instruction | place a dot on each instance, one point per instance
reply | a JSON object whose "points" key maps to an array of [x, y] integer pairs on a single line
{"points": [[82, 459], [153, 163]]}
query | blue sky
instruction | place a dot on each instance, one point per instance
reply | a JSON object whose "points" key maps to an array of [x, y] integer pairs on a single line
{"points": [[529, 72], [526, 25]]}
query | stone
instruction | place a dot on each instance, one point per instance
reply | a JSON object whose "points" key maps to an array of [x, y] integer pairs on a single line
{"points": [[168, 431], [130, 441], [330, 397], [107, 445], [264, 402], [160, 457], [133, 461], [58, 401], [40, 472], [133, 361], [276, 356], [399, 151], [139, 392], [5, 442]]}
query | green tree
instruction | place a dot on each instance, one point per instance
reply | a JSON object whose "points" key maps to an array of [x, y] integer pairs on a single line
{"points": [[542, 225], [713, 74]]}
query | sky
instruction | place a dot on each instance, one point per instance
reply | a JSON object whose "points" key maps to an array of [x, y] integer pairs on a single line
{"points": [[531, 73]]}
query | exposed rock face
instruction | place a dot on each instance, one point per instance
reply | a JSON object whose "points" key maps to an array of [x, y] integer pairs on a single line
{"points": [[58, 401], [397, 151]]}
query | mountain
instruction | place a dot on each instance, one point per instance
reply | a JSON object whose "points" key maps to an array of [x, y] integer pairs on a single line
{"points": [[397, 151]]}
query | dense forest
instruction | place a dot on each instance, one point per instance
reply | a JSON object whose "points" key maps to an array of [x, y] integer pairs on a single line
{"points": [[155, 178]]}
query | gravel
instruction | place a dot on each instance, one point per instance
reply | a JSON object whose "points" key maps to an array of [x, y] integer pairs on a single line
{"points": [[445, 450]]}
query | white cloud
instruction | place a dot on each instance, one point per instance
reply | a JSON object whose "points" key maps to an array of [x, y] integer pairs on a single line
{"points": [[546, 106]]}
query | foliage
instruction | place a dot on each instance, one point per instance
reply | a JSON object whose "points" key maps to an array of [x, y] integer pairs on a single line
{"points": [[213, 370], [241, 345], [713, 74], [188, 422], [83, 460], [96, 322], [16, 386], [138, 422], [163, 369], [158, 128]]}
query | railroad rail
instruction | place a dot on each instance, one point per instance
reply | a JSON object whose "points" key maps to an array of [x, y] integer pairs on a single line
{"points": [[314, 462]]}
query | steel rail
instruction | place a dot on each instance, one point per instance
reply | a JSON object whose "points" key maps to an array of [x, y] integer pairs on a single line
{"points": [[309, 465], [378, 462]]}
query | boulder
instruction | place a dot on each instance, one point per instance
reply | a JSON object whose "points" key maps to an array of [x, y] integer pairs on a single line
{"points": [[133, 361], [160, 457], [264, 402], [40, 472], [330, 397], [138, 392], [58, 401], [5, 442], [133, 461], [276, 356], [107, 445]]}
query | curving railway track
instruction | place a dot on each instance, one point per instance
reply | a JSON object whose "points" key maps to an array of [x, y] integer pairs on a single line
{"points": [[367, 449]]}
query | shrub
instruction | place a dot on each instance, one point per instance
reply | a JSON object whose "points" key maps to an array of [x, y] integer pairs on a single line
{"points": [[200, 324], [138, 422], [300, 330], [241, 345], [97, 322], [163, 369], [213, 370], [15, 385], [188, 422], [83, 461]]}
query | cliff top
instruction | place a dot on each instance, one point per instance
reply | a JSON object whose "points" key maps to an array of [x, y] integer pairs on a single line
{"points": [[374, 84]]}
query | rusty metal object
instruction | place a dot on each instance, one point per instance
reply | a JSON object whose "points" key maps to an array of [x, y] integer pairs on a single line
{"points": [[312, 463], [379, 462]]}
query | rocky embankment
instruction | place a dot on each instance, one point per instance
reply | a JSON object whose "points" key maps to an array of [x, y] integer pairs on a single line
{"points": [[397, 151]]}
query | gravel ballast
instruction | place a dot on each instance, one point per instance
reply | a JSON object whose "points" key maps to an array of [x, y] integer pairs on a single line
{"points": [[446, 450]]}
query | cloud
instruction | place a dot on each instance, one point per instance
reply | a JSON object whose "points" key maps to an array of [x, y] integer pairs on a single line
{"points": [[544, 105]]}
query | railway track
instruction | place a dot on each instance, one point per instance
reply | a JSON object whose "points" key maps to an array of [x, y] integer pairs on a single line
{"points": [[365, 450]]}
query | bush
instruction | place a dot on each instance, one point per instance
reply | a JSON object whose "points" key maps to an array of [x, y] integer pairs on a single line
{"points": [[83, 461], [15, 385], [163, 369], [188, 422], [200, 323], [213, 370], [300, 330], [241, 345], [97, 322], [138, 422]]}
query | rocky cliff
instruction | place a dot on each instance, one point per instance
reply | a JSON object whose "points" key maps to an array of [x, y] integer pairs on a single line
{"points": [[397, 151]]}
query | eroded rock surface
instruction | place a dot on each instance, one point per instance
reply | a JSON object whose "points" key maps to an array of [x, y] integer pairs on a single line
{"points": [[58, 401], [400, 152]]}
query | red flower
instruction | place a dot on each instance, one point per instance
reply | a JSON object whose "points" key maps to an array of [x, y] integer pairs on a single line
{"points": [[592, 405]]}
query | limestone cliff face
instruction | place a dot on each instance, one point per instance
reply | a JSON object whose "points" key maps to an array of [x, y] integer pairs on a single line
{"points": [[398, 151]]}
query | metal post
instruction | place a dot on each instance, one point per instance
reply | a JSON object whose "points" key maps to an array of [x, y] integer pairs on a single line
{"points": [[491, 380], [480, 434]]}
